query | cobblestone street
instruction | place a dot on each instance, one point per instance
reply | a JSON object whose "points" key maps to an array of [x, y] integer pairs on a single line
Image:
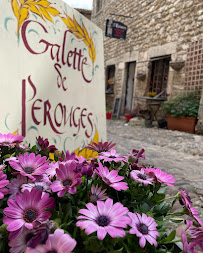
{"points": [[177, 153]]}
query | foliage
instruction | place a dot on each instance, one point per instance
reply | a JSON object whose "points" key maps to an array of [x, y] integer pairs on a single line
{"points": [[183, 105], [108, 110]]}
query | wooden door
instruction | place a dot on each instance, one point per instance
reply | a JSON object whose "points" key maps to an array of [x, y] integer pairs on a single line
{"points": [[129, 85]]}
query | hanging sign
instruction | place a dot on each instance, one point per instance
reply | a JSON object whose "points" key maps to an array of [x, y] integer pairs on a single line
{"points": [[115, 29], [52, 78]]}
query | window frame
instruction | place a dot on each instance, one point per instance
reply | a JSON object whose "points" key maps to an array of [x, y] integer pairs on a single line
{"points": [[99, 6]]}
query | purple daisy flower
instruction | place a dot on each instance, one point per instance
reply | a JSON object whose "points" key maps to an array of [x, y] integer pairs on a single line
{"points": [[51, 171], [22, 147], [104, 218], [12, 158], [67, 179], [19, 244], [195, 233], [81, 161], [2, 166], [141, 177], [101, 146], [194, 214], [3, 183], [67, 157], [186, 201], [44, 145], [56, 243], [185, 198], [161, 176], [31, 238], [144, 227], [97, 194], [15, 186], [42, 186], [111, 178], [135, 155], [10, 140], [111, 156], [27, 210], [188, 247], [30, 165]]}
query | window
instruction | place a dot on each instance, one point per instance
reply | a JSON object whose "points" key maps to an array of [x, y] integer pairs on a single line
{"points": [[98, 5], [159, 75], [110, 79]]}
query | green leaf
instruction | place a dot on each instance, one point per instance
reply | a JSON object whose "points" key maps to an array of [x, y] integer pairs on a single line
{"points": [[144, 208], [176, 221], [169, 238], [117, 251], [158, 197], [162, 190]]}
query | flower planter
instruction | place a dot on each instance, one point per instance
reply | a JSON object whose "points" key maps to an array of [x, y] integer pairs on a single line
{"points": [[128, 117], [108, 115], [184, 124], [30, 202]]}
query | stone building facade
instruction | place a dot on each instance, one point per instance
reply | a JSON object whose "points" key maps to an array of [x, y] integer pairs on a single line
{"points": [[162, 53]]}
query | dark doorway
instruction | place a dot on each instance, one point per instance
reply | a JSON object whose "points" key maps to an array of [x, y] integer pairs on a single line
{"points": [[159, 75], [129, 85], [110, 79]]}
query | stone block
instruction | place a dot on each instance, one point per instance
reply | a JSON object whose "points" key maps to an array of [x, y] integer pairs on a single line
{"points": [[137, 121]]}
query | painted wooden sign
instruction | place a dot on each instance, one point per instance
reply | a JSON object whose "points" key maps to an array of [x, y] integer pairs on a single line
{"points": [[52, 74]]}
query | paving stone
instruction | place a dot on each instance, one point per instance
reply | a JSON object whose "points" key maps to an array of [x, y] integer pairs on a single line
{"points": [[177, 153]]}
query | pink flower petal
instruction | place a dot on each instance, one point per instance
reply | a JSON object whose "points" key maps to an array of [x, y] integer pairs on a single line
{"points": [[101, 233], [15, 225]]}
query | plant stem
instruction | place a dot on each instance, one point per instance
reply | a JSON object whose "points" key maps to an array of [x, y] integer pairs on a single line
{"points": [[179, 213]]}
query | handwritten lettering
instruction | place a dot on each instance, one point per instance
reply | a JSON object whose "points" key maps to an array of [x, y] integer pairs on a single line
{"points": [[72, 59], [58, 117]]}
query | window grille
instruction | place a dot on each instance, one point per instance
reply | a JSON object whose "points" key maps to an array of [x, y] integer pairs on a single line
{"points": [[159, 75], [194, 67]]}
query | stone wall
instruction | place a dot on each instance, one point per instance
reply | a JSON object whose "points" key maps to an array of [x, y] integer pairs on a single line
{"points": [[157, 28]]}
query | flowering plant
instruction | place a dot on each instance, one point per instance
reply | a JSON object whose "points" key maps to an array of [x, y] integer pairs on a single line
{"points": [[111, 203], [151, 94]]}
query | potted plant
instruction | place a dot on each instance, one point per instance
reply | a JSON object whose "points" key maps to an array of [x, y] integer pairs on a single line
{"points": [[151, 94], [129, 114], [108, 113], [181, 112]]}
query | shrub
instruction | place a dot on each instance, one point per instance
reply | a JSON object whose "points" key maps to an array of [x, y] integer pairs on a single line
{"points": [[184, 105]]}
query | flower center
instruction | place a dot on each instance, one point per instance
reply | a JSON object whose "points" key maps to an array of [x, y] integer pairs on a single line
{"points": [[143, 229], [29, 170], [106, 180], [39, 187], [93, 198], [30, 215], [6, 142], [67, 182], [111, 156], [102, 221], [142, 176]]}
